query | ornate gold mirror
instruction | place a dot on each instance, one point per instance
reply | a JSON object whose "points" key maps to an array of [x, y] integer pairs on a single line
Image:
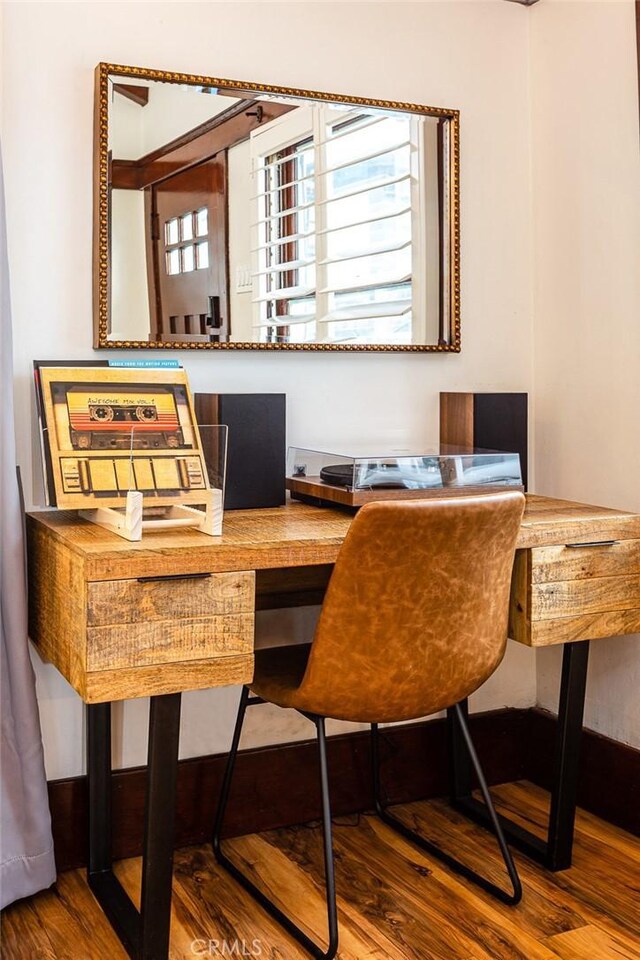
{"points": [[232, 215]]}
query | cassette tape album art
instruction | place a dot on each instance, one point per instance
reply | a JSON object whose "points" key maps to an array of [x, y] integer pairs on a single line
{"points": [[108, 430]]}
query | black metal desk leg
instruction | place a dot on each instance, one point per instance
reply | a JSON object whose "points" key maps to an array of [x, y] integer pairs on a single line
{"points": [[119, 910], [99, 783], [159, 826], [575, 659], [144, 933]]}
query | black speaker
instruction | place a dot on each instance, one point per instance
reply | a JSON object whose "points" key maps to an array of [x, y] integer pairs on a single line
{"points": [[255, 445], [489, 421]]}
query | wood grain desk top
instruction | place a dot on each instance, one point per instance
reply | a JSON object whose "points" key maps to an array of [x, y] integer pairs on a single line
{"points": [[114, 636], [295, 535]]}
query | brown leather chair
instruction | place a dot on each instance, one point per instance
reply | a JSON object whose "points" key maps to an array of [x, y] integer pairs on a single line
{"points": [[414, 620]]}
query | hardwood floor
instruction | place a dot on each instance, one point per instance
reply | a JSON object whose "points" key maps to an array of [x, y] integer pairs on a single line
{"points": [[394, 902]]}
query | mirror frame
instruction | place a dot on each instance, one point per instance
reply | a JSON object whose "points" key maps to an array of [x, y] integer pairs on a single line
{"points": [[101, 260]]}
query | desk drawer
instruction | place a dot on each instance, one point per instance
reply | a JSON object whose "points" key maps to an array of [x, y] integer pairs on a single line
{"points": [[575, 592], [585, 561], [134, 623], [169, 598]]}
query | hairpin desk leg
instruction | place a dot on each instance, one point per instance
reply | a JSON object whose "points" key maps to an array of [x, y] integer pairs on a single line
{"points": [[554, 852], [144, 933]]}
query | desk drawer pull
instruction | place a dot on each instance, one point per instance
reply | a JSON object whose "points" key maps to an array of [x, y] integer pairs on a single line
{"points": [[591, 543], [174, 576]]}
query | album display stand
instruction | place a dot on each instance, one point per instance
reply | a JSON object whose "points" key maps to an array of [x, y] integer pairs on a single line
{"points": [[130, 521]]}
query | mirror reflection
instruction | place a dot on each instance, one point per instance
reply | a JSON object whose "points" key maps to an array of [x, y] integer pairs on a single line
{"points": [[264, 219]]}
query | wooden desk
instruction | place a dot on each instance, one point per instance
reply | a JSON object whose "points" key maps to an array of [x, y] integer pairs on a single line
{"points": [[109, 616], [175, 612]]}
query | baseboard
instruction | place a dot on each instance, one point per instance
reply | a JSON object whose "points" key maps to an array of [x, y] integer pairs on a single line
{"points": [[609, 783], [278, 786]]}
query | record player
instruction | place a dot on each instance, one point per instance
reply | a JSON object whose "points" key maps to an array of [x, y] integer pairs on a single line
{"points": [[321, 477]]}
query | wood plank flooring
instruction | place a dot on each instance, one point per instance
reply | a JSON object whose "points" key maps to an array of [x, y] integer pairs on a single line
{"points": [[395, 903]]}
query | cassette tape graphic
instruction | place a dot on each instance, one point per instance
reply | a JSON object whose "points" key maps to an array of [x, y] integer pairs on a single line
{"points": [[102, 420], [108, 431]]}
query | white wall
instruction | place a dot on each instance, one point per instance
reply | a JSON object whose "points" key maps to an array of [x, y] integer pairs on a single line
{"points": [[241, 216], [133, 132], [172, 110], [586, 152], [467, 55], [129, 286], [129, 283]]}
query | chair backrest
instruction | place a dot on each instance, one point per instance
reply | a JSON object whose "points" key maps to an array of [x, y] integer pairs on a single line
{"points": [[415, 614]]}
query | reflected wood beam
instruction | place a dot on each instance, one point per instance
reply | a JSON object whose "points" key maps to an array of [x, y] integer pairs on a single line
{"points": [[202, 142], [134, 92], [126, 173]]}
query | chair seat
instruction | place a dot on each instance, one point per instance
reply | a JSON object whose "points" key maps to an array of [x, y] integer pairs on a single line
{"points": [[279, 672]]}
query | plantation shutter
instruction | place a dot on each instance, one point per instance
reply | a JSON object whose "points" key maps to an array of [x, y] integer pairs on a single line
{"points": [[336, 199]]}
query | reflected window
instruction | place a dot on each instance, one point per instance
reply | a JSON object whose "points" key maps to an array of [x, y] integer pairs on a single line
{"points": [[186, 226], [182, 253], [188, 259], [202, 222], [337, 228], [173, 262], [287, 277], [171, 232], [202, 255]]}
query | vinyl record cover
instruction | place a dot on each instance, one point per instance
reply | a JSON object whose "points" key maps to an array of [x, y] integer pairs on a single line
{"points": [[108, 430]]}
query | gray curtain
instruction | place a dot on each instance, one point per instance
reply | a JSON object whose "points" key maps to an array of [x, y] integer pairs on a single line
{"points": [[26, 846]]}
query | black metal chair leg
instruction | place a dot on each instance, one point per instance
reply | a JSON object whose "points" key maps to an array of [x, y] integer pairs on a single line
{"points": [[329, 864], [509, 898], [555, 850], [228, 773], [332, 912], [459, 760]]}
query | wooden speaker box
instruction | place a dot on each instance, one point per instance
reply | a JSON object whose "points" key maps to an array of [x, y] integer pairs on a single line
{"points": [[486, 421], [255, 445]]}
